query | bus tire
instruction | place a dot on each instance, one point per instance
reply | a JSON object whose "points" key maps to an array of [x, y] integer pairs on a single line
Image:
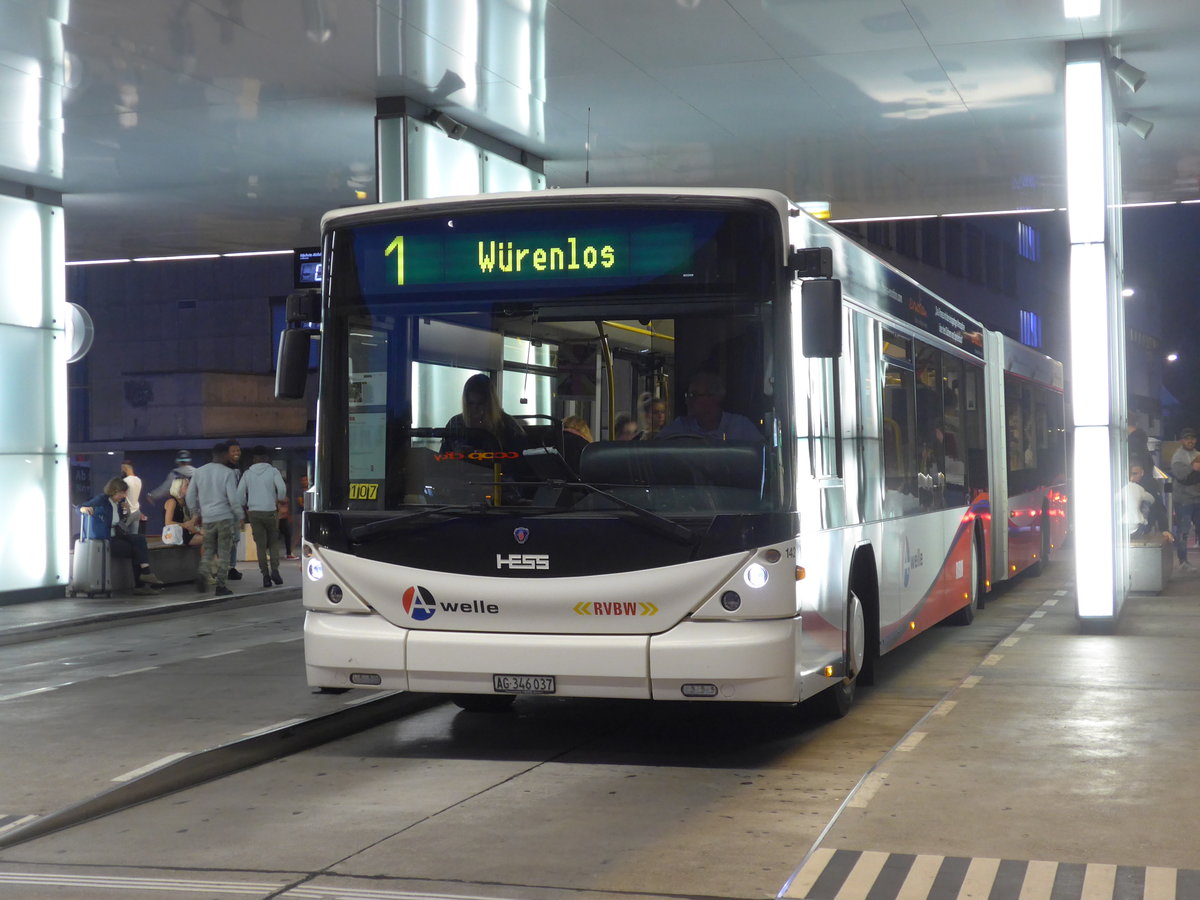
{"points": [[484, 703], [834, 702], [966, 615]]}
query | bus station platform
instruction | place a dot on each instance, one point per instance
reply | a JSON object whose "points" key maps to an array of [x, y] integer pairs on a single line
{"points": [[66, 615], [1064, 766]]}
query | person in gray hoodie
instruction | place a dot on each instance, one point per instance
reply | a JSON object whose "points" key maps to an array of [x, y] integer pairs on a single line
{"points": [[214, 491], [260, 491]]}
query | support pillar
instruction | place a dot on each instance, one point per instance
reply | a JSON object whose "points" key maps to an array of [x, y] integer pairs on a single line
{"points": [[1097, 363], [35, 515]]}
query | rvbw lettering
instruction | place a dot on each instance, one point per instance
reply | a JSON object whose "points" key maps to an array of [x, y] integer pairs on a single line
{"points": [[503, 256]]}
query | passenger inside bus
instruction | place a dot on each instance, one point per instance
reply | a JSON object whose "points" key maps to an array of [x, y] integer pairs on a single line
{"points": [[576, 435], [625, 428], [706, 416], [656, 416], [482, 425]]}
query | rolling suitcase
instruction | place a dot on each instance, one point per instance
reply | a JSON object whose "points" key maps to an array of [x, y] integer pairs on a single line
{"points": [[90, 567]]}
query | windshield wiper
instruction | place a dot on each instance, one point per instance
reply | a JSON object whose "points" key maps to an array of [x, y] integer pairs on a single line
{"points": [[651, 520], [371, 528]]}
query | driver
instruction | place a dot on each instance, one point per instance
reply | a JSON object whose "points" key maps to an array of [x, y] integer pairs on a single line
{"points": [[705, 416], [482, 425]]}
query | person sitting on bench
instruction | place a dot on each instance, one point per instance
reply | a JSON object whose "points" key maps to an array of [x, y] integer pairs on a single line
{"points": [[103, 523]]}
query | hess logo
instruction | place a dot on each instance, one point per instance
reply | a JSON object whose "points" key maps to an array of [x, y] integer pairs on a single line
{"points": [[419, 603], [524, 562]]}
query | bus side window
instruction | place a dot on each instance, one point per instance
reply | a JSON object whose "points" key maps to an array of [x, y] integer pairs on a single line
{"points": [[899, 445]]}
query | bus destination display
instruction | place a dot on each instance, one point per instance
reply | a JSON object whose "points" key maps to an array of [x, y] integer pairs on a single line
{"points": [[690, 249]]}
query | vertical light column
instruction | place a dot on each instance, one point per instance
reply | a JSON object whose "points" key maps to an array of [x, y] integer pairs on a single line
{"points": [[1095, 364], [34, 520]]}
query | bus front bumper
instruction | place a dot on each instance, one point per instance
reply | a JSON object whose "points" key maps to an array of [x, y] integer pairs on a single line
{"points": [[755, 661]]}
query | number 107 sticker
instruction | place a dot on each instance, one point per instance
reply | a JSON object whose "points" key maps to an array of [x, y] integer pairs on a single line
{"points": [[364, 490]]}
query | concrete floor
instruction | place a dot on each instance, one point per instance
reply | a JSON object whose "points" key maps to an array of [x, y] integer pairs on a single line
{"points": [[1064, 765], [1052, 765]]}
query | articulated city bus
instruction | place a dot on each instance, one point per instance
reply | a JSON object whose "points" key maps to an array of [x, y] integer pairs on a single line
{"points": [[814, 472]]}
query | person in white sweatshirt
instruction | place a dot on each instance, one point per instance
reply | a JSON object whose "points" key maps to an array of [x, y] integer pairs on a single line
{"points": [[260, 490]]}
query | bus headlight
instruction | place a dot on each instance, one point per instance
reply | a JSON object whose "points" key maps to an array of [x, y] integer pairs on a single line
{"points": [[314, 569], [755, 575]]}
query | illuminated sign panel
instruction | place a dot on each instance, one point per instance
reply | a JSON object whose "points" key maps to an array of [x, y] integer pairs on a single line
{"points": [[508, 257], [567, 252]]}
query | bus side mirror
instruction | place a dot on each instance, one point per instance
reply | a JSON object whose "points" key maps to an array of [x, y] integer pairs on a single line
{"points": [[821, 318], [291, 369]]}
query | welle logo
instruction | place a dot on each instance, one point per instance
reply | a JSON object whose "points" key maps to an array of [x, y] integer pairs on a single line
{"points": [[420, 605]]}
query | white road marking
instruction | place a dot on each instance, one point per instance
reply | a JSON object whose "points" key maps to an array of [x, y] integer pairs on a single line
{"points": [[222, 653], [133, 672], [150, 767], [1039, 880], [276, 726], [866, 793], [808, 875], [858, 883], [920, 878]]}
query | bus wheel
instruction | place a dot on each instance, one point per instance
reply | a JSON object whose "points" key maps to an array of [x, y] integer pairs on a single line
{"points": [[489, 703], [966, 615], [834, 702]]}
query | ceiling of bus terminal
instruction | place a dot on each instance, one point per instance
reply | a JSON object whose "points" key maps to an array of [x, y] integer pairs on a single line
{"points": [[217, 125]]}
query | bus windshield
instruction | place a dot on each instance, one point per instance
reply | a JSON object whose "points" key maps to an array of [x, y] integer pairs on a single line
{"points": [[520, 406]]}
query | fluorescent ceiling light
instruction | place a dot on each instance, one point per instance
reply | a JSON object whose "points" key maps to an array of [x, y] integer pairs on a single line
{"points": [[97, 262], [1149, 203], [885, 219], [172, 258], [996, 212], [259, 253]]}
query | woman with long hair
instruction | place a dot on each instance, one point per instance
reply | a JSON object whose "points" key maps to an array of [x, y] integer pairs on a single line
{"points": [[482, 424]]}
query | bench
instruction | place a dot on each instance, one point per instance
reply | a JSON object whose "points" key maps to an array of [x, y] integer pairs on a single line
{"points": [[1150, 563], [174, 565]]}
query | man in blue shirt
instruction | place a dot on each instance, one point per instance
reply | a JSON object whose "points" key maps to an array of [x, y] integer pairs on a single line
{"points": [[214, 491], [705, 416]]}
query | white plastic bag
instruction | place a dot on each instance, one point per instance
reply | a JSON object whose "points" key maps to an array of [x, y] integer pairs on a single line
{"points": [[172, 535]]}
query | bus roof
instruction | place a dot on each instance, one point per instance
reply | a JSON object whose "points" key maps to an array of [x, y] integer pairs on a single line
{"points": [[433, 206]]}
